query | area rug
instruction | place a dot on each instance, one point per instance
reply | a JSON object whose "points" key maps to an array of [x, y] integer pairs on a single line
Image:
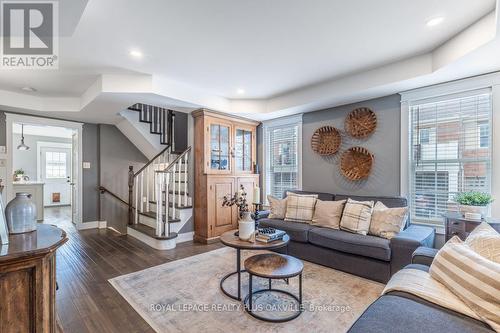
{"points": [[184, 296]]}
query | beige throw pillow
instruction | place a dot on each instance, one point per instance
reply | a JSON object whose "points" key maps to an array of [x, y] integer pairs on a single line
{"points": [[470, 276], [277, 207], [387, 222], [328, 213], [356, 216], [485, 241], [299, 207]]}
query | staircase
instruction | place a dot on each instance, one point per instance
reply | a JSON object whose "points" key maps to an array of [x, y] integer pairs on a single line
{"points": [[159, 202]]}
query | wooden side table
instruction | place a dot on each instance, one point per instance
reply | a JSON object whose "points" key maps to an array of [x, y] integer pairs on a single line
{"points": [[457, 225], [28, 280]]}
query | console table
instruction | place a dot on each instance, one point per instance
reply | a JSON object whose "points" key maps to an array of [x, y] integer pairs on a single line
{"points": [[28, 280], [457, 225]]}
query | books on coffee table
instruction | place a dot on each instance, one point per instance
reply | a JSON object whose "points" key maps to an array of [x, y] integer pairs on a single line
{"points": [[267, 235]]}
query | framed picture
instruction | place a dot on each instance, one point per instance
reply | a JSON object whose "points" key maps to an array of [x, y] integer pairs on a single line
{"points": [[4, 233]]}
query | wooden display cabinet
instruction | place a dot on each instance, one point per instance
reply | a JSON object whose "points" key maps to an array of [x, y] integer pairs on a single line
{"points": [[224, 157]]}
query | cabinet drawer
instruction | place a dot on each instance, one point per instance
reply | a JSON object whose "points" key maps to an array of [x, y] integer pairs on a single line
{"points": [[456, 226]]}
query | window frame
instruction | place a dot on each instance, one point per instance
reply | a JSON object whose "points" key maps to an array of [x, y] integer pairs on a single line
{"points": [[274, 124], [487, 82]]}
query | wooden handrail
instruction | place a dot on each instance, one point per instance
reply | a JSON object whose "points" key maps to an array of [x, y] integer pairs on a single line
{"points": [[177, 159], [151, 161], [102, 189]]}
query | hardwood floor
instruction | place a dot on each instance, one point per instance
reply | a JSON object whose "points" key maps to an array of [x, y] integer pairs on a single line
{"points": [[86, 302]]}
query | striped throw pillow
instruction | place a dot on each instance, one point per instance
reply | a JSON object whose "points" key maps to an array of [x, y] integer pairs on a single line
{"points": [[470, 276], [486, 241], [300, 208], [357, 216]]}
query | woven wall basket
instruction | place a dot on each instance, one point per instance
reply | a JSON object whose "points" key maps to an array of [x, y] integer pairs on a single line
{"points": [[356, 163], [360, 123], [326, 140]]}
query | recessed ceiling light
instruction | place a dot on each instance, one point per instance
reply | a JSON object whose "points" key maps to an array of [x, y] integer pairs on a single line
{"points": [[435, 21], [136, 53], [240, 91], [28, 89]]}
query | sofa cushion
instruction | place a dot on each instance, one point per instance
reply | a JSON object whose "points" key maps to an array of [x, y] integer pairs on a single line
{"points": [[391, 313], [356, 216], [321, 195], [300, 207], [277, 207], [390, 202], [297, 231], [364, 245]]}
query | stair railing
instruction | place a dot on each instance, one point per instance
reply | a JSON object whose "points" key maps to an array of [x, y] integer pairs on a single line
{"points": [[171, 187], [141, 184]]}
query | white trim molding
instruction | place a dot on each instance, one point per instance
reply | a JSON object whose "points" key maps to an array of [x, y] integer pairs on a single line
{"points": [[12, 118], [459, 88], [295, 120], [92, 225]]}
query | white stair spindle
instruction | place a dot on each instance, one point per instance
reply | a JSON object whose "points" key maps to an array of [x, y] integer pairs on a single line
{"points": [[173, 191], [142, 191], [147, 188], [179, 187], [167, 223], [136, 215], [185, 179], [159, 188]]}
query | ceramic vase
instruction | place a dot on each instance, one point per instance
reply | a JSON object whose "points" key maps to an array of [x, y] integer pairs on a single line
{"points": [[20, 214], [246, 227]]}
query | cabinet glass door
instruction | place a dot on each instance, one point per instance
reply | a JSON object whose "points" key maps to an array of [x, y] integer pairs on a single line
{"points": [[243, 150], [219, 147]]}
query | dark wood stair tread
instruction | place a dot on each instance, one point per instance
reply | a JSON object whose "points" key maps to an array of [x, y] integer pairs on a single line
{"points": [[153, 216], [151, 232]]}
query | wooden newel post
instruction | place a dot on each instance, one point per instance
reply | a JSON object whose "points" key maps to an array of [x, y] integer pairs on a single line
{"points": [[130, 194]]}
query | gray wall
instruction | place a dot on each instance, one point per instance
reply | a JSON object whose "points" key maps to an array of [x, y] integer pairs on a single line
{"points": [[322, 173], [90, 139], [3, 130], [116, 154], [27, 159]]}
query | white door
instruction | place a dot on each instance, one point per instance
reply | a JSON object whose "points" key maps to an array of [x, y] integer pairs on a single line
{"points": [[55, 164], [75, 209]]}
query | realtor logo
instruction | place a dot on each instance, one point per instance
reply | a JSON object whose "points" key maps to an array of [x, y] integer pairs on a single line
{"points": [[29, 35]]}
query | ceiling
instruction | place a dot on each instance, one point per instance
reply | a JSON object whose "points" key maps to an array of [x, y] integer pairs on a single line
{"points": [[48, 131], [287, 55]]}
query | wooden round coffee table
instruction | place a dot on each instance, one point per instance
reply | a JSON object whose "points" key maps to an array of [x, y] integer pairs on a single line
{"points": [[230, 239], [273, 266]]}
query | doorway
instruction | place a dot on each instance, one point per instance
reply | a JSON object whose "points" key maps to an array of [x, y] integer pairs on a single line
{"points": [[43, 158]]}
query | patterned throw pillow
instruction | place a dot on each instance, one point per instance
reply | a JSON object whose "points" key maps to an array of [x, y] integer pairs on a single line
{"points": [[328, 213], [387, 222], [277, 207], [470, 276], [485, 241], [300, 207], [356, 216]]}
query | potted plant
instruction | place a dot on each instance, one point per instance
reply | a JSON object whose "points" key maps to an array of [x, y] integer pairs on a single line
{"points": [[18, 174], [246, 225], [473, 204]]}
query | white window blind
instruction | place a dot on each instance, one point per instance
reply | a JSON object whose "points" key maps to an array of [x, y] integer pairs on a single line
{"points": [[282, 158], [451, 152]]}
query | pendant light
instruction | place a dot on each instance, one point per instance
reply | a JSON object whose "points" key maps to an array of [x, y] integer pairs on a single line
{"points": [[22, 146]]}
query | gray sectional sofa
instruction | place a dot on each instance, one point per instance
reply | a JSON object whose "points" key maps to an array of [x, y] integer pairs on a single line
{"points": [[403, 312], [368, 256]]}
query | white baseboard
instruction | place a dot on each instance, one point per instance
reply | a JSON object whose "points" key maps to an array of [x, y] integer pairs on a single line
{"points": [[92, 225], [159, 244], [185, 237]]}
